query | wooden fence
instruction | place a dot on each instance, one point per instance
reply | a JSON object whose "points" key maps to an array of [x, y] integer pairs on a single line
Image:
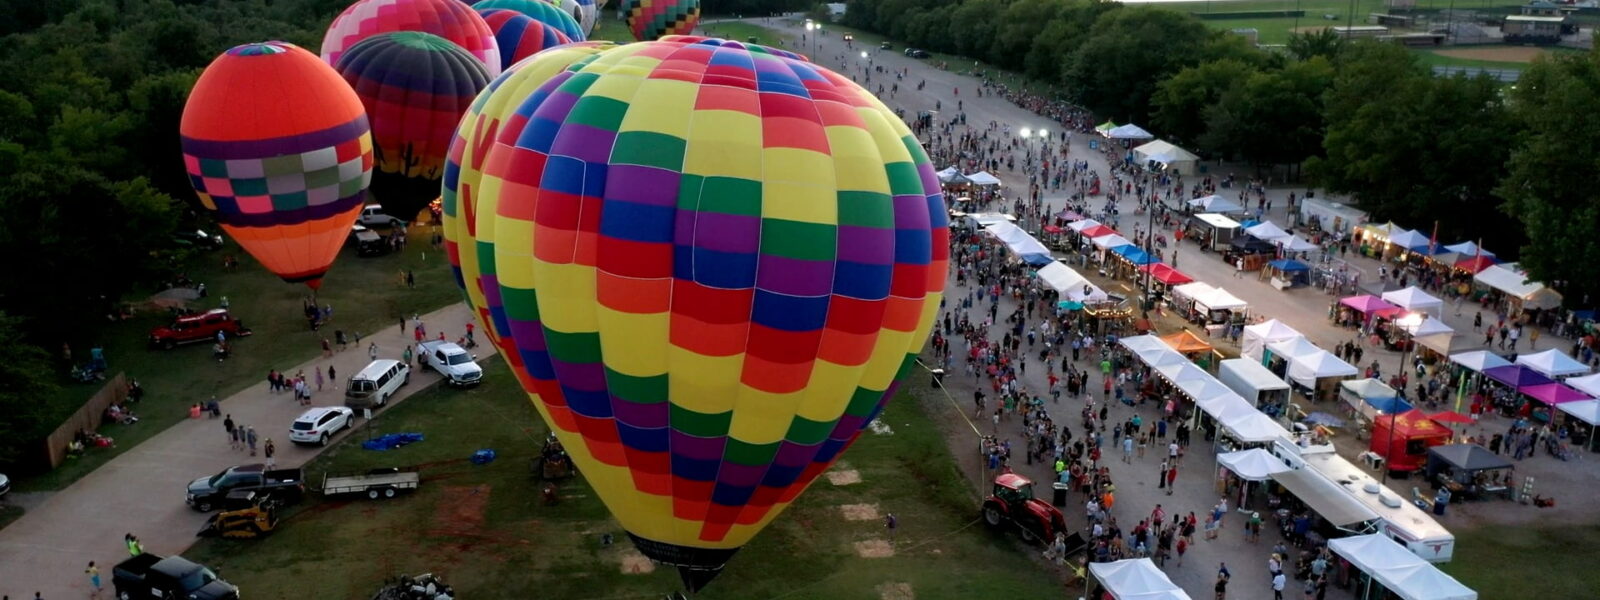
{"points": [[88, 417]]}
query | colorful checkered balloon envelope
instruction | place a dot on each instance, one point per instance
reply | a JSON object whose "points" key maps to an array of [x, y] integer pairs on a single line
{"points": [[651, 19], [541, 11], [715, 262], [415, 86], [585, 12], [468, 216], [284, 181], [450, 19], [519, 35]]}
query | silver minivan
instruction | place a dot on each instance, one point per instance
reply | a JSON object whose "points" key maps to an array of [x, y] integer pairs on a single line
{"points": [[373, 386]]}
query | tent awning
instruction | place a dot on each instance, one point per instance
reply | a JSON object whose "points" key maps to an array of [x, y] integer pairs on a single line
{"points": [[1587, 411], [1370, 305], [1217, 221], [1220, 299], [1289, 265], [1469, 457], [1164, 273], [1588, 384], [1136, 579], [1554, 393], [983, 178], [1129, 132], [1552, 363], [1294, 243], [1255, 427], [1511, 279], [1186, 342], [1481, 360], [1254, 464], [1330, 501], [1412, 298], [1399, 570], [1164, 153], [1082, 224], [1111, 241], [1267, 231], [1216, 204], [1517, 376]]}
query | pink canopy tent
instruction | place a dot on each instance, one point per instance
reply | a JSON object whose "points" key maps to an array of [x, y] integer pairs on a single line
{"points": [[1473, 264], [1370, 305], [1553, 393]]}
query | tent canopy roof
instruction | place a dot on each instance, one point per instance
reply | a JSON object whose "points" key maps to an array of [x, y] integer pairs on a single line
{"points": [[1186, 342], [1552, 363], [1517, 376], [983, 178], [1136, 579], [1295, 243], [1480, 360], [1412, 298], [1469, 457], [1164, 152], [1587, 411], [1254, 464], [1398, 569], [1082, 224], [1220, 299], [1164, 273], [1266, 231], [1128, 132], [1289, 264], [1511, 279], [1217, 221], [1111, 241], [1413, 424], [1369, 304], [1554, 393], [1252, 373], [1588, 384], [1368, 388]]}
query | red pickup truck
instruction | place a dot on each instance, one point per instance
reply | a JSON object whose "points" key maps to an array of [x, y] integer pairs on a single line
{"points": [[198, 328]]}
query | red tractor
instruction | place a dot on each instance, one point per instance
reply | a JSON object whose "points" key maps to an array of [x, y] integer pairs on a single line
{"points": [[1013, 502]]}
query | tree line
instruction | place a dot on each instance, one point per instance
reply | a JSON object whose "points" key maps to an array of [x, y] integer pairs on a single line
{"points": [[1505, 164]]}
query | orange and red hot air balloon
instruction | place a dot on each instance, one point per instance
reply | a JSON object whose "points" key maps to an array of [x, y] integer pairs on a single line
{"points": [[278, 148]]}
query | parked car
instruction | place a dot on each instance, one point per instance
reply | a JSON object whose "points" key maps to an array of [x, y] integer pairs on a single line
{"points": [[376, 383], [452, 361], [1012, 503], [286, 485], [152, 576], [197, 238], [318, 424], [368, 242], [5, 485], [916, 53], [886, 46], [372, 215], [198, 328]]}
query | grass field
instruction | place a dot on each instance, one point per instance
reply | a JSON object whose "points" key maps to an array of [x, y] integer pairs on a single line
{"points": [[366, 294], [1527, 562], [486, 531]]}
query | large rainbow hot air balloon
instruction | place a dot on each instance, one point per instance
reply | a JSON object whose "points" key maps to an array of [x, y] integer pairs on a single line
{"points": [[284, 181], [519, 35], [415, 86], [652, 19], [714, 262], [468, 215], [449, 19], [541, 11]]}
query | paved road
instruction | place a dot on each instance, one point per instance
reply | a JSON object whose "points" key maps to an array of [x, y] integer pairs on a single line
{"points": [[141, 491]]}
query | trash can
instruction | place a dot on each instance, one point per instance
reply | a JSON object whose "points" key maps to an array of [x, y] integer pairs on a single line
{"points": [[1060, 496], [938, 377]]}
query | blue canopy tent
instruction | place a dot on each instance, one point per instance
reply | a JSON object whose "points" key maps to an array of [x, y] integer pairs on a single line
{"points": [[1037, 260], [1389, 406], [1134, 254], [1294, 272]]}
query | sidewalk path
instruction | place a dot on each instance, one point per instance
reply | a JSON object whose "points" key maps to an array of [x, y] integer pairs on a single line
{"points": [[142, 490]]}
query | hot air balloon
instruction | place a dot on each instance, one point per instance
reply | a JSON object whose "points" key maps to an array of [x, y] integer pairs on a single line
{"points": [[541, 11], [651, 19], [468, 216], [283, 181], [583, 11], [715, 263], [449, 19], [519, 35], [415, 86]]}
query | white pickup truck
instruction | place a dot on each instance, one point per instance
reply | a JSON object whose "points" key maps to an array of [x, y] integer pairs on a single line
{"points": [[452, 361]]}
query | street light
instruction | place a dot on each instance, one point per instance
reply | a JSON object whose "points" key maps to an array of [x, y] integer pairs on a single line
{"points": [[1025, 133]]}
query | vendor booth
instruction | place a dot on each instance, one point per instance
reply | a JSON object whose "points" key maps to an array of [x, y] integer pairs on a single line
{"points": [[1166, 157], [1470, 472], [1219, 308], [1187, 343], [1521, 294], [1359, 311], [1286, 273], [1216, 204], [1256, 337], [1429, 333], [1553, 363], [1294, 245], [1479, 360], [1165, 274], [1266, 230], [1070, 284], [1128, 132], [1135, 579], [1322, 214], [1254, 251], [1212, 230], [1244, 467], [1414, 300], [1370, 398], [1582, 417], [1262, 389], [1403, 440], [1386, 565]]}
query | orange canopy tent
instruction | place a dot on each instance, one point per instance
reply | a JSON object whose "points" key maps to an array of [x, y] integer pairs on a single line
{"points": [[1186, 342], [1403, 440]]}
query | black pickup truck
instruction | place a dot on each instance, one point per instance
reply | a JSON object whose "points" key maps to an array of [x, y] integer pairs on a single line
{"points": [[284, 485], [171, 577]]}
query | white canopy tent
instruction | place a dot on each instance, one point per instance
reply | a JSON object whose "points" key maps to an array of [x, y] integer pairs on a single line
{"points": [[1018, 240], [1552, 363], [1397, 569], [1294, 243], [1082, 225], [1140, 343], [1406, 238], [1220, 299], [1587, 411], [1290, 348], [952, 176], [1588, 384], [1254, 464], [1480, 360], [1266, 230], [1192, 289], [1512, 280], [1307, 369], [1431, 333], [987, 219], [1356, 392], [1111, 241], [1468, 249], [1257, 336], [1129, 132], [1254, 427], [1136, 579], [1167, 155], [1414, 299], [983, 178], [1069, 283], [1216, 204]]}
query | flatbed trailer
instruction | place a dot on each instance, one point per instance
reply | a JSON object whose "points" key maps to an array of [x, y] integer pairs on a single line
{"points": [[376, 483]]}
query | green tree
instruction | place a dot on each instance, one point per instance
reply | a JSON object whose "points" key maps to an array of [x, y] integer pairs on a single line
{"points": [[1115, 71], [25, 375], [1322, 42], [1180, 100], [1272, 117], [1549, 184]]}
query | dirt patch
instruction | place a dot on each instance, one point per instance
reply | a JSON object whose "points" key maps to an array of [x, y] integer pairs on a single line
{"points": [[1520, 54], [845, 477], [896, 591], [634, 563], [461, 510], [859, 512], [874, 549]]}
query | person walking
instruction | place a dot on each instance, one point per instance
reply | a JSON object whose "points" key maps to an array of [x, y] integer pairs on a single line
{"points": [[318, 373], [333, 378], [250, 439], [1222, 586], [372, 351], [227, 425], [132, 542], [1172, 479], [1278, 583], [269, 450], [94, 580], [890, 523], [1127, 449]]}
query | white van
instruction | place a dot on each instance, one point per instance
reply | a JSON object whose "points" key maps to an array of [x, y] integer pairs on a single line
{"points": [[373, 386]]}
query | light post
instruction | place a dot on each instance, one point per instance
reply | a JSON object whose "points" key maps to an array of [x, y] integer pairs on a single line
{"points": [[813, 29]]}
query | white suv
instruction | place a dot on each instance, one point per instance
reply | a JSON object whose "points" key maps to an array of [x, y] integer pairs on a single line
{"points": [[315, 426]]}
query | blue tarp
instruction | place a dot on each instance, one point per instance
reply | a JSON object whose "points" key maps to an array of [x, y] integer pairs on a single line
{"points": [[1389, 406], [390, 441], [1037, 260], [1429, 249], [1133, 254], [1289, 264]]}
